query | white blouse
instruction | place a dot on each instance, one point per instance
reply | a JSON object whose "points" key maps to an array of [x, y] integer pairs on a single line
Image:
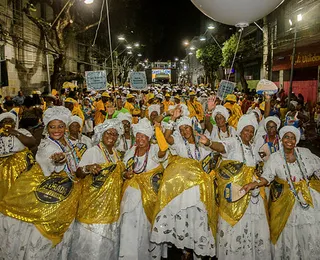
{"points": [[11, 144]]}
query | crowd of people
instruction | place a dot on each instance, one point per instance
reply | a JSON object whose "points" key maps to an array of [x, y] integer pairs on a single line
{"points": [[125, 174]]}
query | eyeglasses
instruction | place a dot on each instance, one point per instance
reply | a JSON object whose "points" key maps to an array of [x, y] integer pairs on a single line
{"points": [[112, 133], [271, 127]]}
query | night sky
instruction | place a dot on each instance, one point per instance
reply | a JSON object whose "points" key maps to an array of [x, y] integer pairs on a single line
{"points": [[160, 25]]}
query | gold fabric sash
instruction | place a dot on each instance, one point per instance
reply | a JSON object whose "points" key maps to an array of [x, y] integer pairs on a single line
{"points": [[148, 183], [101, 196], [282, 201], [182, 174], [11, 167], [50, 203], [234, 172]]}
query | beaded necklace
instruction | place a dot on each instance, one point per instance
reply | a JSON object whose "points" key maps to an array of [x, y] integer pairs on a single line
{"points": [[242, 150], [273, 146], [136, 160], [125, 145], [196, 150], [107, 155], [228, 132], [289, 177], [74, 154]]}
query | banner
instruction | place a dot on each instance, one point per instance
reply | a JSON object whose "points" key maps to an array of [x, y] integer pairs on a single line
{"points": [[225, 88], [96, 80], [138, 80]]}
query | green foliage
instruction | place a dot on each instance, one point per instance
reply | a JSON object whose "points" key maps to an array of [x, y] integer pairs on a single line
{"points": [[210, 56]]}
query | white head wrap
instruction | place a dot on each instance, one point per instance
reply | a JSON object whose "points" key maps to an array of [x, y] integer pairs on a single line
{"points": [[256, 111], [75, 119], [294, 103], [124, 116], [245, 120], [144, 127], [290, 129], [220, 110], [107, 124], [8, 115], [56, 113], [153, 108], [274, 119], [184, 120]]}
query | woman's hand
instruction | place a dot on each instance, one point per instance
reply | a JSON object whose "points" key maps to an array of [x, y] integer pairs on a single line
{"points": [[94, 168], [250, 186], [176, 113], [128, 174], [204, 140], [58, 158], [212, 103]]}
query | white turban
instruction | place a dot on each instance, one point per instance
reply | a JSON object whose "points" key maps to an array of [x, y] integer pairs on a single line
{"points": [[222, 111], [290, 129], [256, 111], [56, 113], [8, 115], [153, 108], [75, 119], [274, 119], [245, 120], [143, 127], [107, 124], [124, 116], [184, 120], [294, 103]]}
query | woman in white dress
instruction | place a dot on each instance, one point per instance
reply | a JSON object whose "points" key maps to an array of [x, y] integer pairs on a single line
{"points": [[185, 221], [96, 231], [38, 211], [295, 200], [15, 157], [143, 174], [269, 143], [75, 134], [126, 140], [243, 230], [221, 130]]}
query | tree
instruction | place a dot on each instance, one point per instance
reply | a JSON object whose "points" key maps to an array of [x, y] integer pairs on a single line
{"points": [[68, 20], [210, 56], [247, 49]]}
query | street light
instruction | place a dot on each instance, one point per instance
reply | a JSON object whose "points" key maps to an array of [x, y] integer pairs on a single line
{"points": [[294, 25], [136, 44], [186, 43], [129, 47], [129, 52], [210, 27], [121, 38], [88, 2], [190, 53], [192, 48], [202, 38], [176, 59], [139, 54]]}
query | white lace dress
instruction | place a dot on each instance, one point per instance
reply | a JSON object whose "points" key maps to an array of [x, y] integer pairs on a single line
{"points": [[135, 229], [184, 221], [94, 241], [249, 239], [300, 238], [22, 240]]}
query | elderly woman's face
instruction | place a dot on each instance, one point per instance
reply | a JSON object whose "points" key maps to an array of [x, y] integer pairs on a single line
{"points": [[142, 140], [109, 137], [220, 120], [8, 123], [153, 116], [74, 129], [247, 134], [271, 128], [186, 131], [56, 129], [289, 141]]}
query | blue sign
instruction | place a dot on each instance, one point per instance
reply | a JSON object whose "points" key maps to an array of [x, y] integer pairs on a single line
{"points": [[96, 80], [225, 88], [138, 80]]}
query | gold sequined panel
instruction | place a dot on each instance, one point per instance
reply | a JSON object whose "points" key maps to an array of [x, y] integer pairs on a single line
{"points": [[182, 174], [50, 203], [11, 167], [148, 183], [101, 196]]}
